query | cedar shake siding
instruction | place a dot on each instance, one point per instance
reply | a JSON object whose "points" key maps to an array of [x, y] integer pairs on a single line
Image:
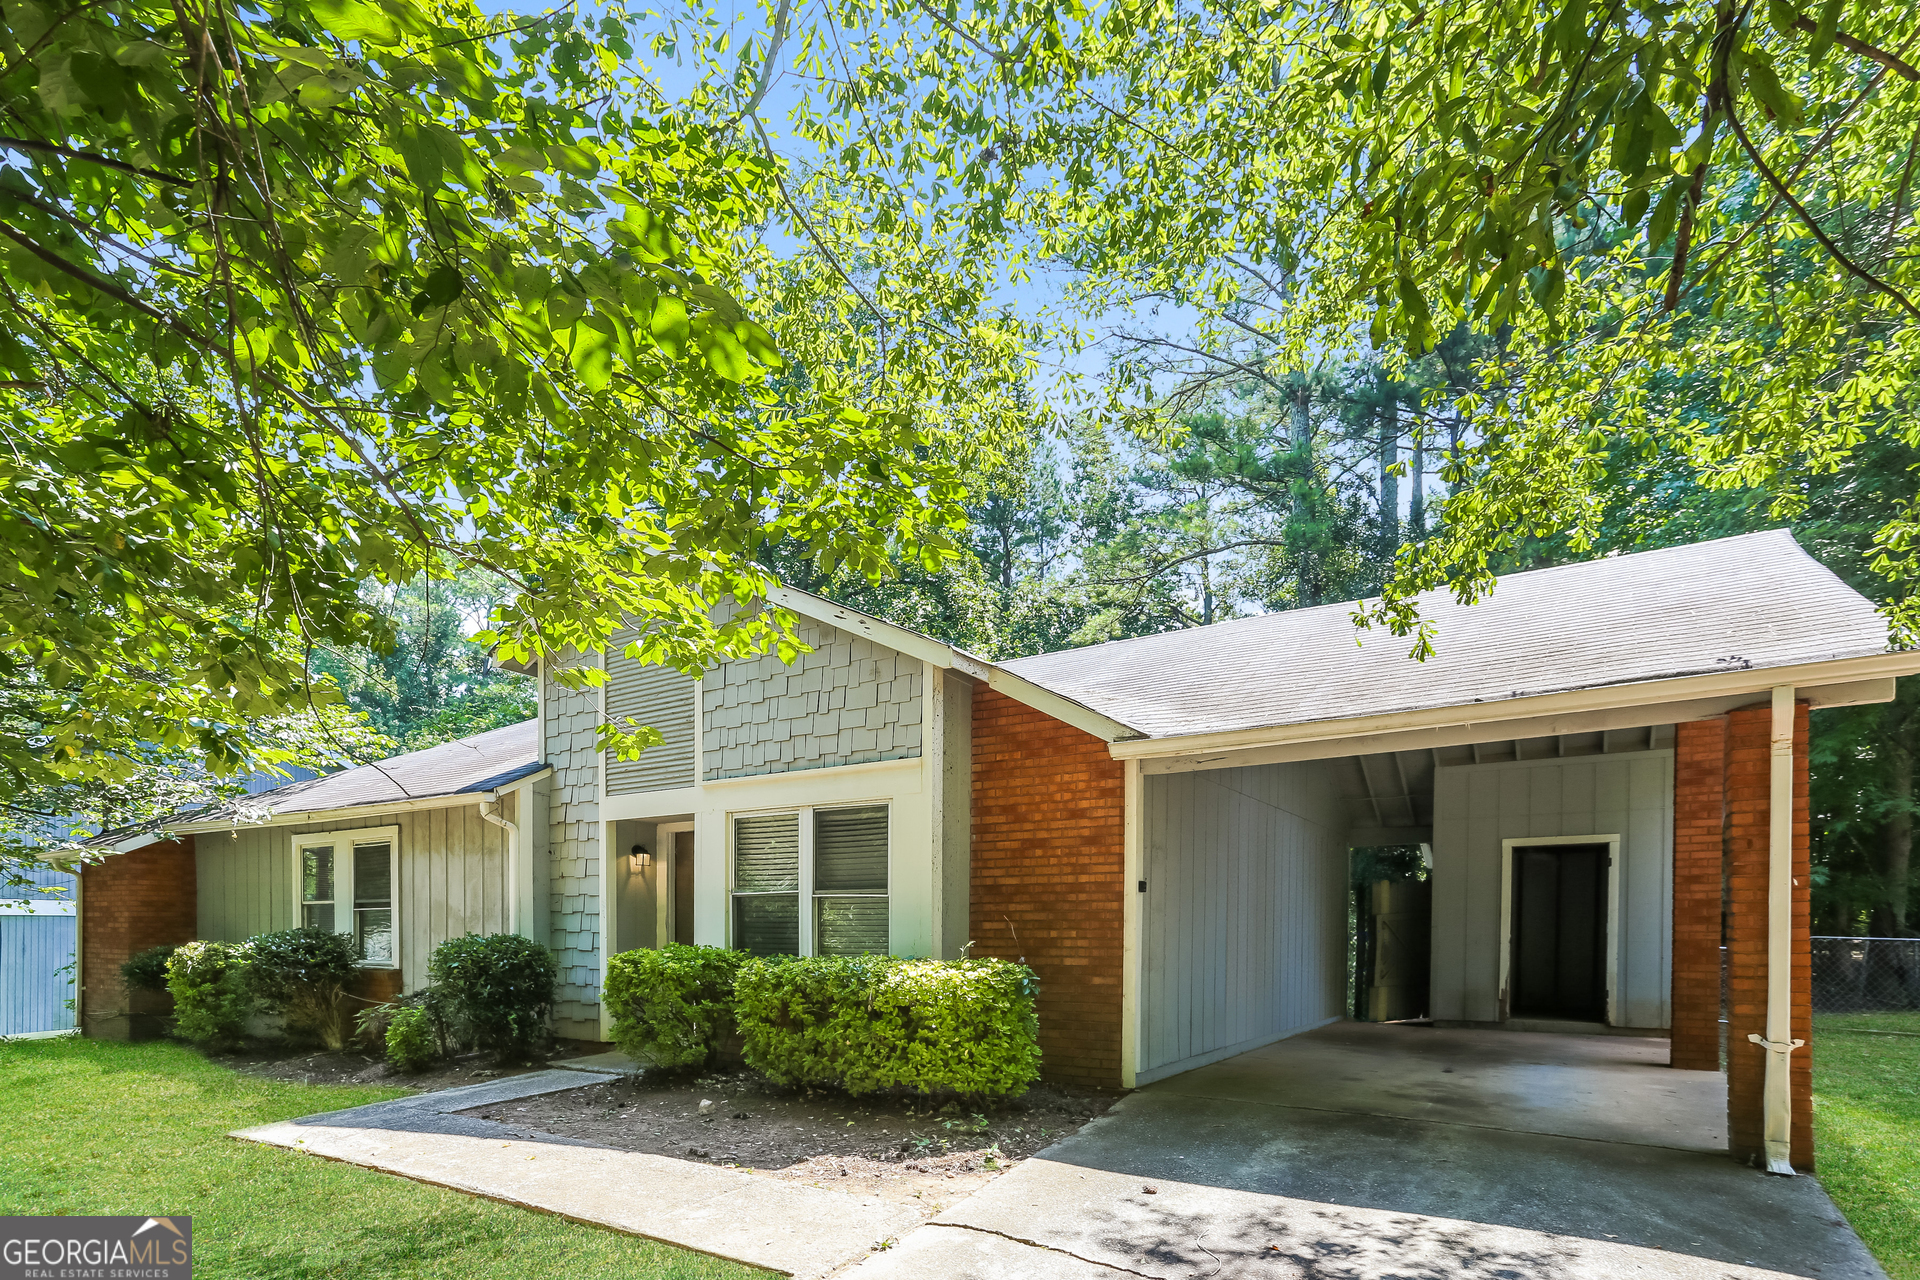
{"points": [[1047, 878]]}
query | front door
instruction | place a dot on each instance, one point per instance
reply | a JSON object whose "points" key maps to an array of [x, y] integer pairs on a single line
{"points": [[683, 887], [1560, 932]]}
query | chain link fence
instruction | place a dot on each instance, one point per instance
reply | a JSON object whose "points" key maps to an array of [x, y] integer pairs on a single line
{"points": [[1865, 975]]}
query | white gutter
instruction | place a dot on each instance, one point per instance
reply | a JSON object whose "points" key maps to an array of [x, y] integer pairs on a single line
{"points": [[1776, 1094], [490, 810], [1602, 698]]}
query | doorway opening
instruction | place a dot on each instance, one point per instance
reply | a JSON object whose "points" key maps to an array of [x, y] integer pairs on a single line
{"points": [[1389, 926], [1558, 965]]}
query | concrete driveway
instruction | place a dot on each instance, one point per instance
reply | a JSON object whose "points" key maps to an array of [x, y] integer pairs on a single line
{"points": [[1361, 1151]]}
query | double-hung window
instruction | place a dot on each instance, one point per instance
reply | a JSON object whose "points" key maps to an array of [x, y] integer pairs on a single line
{"points": [[345, 881], [811, 882]]}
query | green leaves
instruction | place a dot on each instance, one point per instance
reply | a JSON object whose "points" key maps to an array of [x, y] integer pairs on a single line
{"points": [[384, 287], [358, 20]]}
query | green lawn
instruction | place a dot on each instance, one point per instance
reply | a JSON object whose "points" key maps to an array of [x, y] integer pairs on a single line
{"points": [[95, 1127], [1866, 1114]]}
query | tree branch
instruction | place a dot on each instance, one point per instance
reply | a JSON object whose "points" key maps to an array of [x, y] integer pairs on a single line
{"points": [[1891, 61], [54, 148], [1800, 211]]}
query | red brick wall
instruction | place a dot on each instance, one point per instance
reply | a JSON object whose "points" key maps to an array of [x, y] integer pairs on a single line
{"points": [[1748, 791], [1699, 844], [129, 902], [1048, 876]]}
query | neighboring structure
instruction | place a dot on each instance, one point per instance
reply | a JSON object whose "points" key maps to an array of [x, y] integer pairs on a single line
{"points": [[38, 927], [1160, 826]]}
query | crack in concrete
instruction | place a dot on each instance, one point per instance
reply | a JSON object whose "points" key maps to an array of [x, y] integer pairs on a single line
{"points": [[1036, 1244]]}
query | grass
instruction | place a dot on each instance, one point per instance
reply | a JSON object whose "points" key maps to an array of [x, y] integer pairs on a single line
{"points": [[1866, 1115], [97, 1127]]}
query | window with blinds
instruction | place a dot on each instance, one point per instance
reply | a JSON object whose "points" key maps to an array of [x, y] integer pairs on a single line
{"points": [[766, 884], [831, 861], [850, 881], [346, 885]]}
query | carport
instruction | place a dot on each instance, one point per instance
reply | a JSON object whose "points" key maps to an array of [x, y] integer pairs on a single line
{"points": [[1370, 1151], [1605, 761]]}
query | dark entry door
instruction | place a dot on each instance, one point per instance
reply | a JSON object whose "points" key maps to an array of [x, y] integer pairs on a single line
{"points": [[683, 887], [1560, 932]]}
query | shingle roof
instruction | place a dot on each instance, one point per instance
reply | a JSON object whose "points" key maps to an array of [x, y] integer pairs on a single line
{"points": [[1747, 602], [466, 766]]}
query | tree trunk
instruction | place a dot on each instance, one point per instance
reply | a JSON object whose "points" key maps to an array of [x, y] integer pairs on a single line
{"points": [[1389, 482], [1896, 838], [1307, 575], [1417, 500]]}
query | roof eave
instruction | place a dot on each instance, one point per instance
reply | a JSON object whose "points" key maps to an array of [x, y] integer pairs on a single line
{"points": [[294, 818], [1833, 673]]}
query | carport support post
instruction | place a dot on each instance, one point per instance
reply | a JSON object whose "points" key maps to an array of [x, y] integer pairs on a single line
{"points": [[1776, 1098]]}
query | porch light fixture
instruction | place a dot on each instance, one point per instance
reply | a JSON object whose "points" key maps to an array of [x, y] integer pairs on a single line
{"points": [[639, 859]]}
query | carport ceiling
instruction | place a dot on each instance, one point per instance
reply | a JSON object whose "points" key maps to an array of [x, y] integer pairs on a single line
{"points": [[1389, 796]]}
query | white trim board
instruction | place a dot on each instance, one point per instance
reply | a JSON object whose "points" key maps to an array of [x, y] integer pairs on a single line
{"points": [[1841, 681], [1505, 990], [39, 907]]}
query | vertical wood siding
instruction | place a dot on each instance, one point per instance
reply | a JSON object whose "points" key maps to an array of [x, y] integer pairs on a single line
{"points": [[35, 952], [661, 698], [453, 880], [1243, 931], [1476, 807]]}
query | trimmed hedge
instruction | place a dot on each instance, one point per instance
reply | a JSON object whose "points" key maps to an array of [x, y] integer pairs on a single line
{"points": [[672, 1007], [304, 973], [867, 1023], [499, 990], [212, 999]]}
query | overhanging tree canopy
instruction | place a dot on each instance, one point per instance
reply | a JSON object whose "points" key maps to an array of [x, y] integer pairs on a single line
{"points": [[302, 294], [1598, 186]]}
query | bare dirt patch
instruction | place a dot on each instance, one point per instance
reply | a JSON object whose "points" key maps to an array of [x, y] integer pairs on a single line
{"points": [[905, 1150]]}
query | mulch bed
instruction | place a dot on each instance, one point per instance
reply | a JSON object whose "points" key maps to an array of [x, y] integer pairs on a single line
{"points": [[319, 1066], [897, 1147]]}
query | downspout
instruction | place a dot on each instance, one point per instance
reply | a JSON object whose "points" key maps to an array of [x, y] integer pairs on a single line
{"points": [[490, 810], [1776, 1098]]}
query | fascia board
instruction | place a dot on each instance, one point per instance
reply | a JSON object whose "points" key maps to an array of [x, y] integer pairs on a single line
{"points": [[894, 637], [1853, 679], [1062, 708], [451, 800]]}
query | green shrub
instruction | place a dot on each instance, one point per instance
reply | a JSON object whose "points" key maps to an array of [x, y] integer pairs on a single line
{"points": [[866, 1023], [429, 1036], [672, 1007], [412, 1045], [147, 970], [212, 999], [498, 989], [304, 974]]}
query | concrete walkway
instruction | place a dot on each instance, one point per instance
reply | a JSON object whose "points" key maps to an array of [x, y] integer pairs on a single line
{"points": [[1365, 1151], [799, 1231]]}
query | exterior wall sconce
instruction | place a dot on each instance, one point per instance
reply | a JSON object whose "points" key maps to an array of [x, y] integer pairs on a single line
{"points": [[639, 859]]}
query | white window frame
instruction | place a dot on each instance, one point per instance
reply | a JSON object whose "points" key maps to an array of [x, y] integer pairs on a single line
{"points": [[343, 879], [807, 896]]}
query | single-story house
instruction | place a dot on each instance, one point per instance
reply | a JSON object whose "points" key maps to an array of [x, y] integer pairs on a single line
{"points": [[1606, 762]]}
